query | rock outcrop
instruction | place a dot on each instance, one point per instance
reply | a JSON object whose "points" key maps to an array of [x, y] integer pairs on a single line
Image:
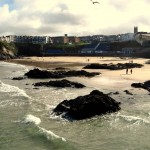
{"points": [[18, 78], [128, 92], [41, 74], [82, 107], [6, 54], [111, 66], [145, 85], [60, 83]]}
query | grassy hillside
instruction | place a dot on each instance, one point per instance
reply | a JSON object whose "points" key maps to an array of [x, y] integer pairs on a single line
{"points": [[8, 46]]}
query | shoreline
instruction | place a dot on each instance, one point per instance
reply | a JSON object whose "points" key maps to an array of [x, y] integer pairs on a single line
{"points": [[77, 63]]}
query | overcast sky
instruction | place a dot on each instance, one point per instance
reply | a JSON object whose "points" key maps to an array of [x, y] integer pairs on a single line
{"points": [[73, 17]]}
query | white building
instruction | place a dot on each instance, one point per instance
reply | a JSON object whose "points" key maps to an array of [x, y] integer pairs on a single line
{"points": [[9, 38], [27, 39], [141, 37], [126, 37]]}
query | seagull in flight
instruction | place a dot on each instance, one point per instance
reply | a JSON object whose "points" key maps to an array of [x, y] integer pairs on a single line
{"points": [[95, 2]]}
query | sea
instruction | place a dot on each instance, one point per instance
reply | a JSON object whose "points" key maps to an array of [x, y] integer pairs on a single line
{"points": [[27, 121]]}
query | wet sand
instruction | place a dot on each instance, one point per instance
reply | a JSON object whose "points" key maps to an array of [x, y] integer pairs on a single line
{"points": [[138, 74]]}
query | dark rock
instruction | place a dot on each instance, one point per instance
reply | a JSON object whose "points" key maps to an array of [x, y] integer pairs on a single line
{"points": [[18, 78], [36, 88], [111, 66], [41, 74], [148, 62], [128, 92], [60, 83], [116, 93], [110, 93], [145, 85], [60, 68], [82, 107]]}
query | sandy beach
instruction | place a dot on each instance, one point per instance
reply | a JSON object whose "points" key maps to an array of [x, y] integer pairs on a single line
{"points": [[138, 74]]}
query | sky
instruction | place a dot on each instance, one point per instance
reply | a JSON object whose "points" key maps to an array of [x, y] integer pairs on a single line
{"points": [[73, 17]]}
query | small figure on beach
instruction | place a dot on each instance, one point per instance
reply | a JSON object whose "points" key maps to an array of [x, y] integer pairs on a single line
{"points": [[131, 71], [127, 71]]}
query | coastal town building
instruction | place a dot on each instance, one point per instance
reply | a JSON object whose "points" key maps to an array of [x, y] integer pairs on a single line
{"points": [[135, 30], [96, 48], [126, 37], [9, 38], [142, 38], [127, 50], [27, 39]]}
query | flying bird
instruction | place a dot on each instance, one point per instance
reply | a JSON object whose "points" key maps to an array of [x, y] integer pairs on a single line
{"points": [[95, 2]]}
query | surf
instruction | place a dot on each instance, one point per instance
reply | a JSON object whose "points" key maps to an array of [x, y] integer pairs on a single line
{"points": [[12, 90], [35, 122]]}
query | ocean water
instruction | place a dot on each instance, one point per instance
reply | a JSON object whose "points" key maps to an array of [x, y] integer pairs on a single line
{"points": [[27, 123]]}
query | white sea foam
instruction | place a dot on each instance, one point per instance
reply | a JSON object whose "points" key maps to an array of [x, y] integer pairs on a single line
{"points": [[15, 91], [50, 135], [31, 119], [5, 64], [134, 119], [49, 107], [47, 133]]}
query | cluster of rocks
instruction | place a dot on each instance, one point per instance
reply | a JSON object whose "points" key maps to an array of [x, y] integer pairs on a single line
{"points": [[42, 74], [111, 66], [145, 85], [82, 107], [60, 83]]}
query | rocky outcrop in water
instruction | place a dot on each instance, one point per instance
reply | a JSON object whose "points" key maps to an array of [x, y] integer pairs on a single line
{"points": [[18, 78], [41, 74], [111, 66], [60, 83], [82, 107], [145, 85]]}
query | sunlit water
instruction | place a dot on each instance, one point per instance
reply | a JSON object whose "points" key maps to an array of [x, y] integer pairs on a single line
{"points": [[26, 122]]}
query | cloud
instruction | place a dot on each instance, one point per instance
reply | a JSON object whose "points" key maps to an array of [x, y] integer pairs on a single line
{"points": [[120, 5], [61, 18], [40, 17]]}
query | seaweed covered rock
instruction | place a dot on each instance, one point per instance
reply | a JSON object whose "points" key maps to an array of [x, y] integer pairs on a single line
{"points": [[41, 74], [145, 85], [60, 83], [111, 66], [82, 107]]}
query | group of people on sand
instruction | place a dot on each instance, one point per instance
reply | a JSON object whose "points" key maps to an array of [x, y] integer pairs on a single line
{"points": [[127, 70]]}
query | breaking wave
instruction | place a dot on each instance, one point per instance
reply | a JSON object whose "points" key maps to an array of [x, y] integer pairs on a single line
{"points": [[134, 119], [31, 119], [123, 122], [35, 121], [13, 90]]}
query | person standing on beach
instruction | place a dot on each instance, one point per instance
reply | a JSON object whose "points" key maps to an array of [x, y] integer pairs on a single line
{"points": [[131, 71], [127, 71]]}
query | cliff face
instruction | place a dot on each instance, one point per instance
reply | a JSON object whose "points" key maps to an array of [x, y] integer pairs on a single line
{"points": [[6, 51]]}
